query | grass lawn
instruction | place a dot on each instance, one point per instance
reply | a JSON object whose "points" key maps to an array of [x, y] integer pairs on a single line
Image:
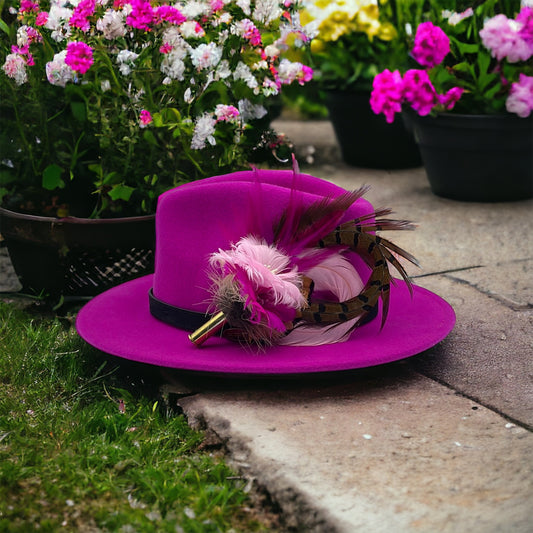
{"points": [[85, 448]]}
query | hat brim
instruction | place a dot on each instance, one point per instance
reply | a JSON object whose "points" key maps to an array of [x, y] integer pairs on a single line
{"points": [[119, 323]]}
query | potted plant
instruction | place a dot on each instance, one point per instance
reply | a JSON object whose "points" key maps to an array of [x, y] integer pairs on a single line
{"points": [[105, 105], [470, 100], [352, 42]]}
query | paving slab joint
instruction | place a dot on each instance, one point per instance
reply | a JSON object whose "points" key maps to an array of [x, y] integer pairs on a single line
{"points": [[473, 398], [515, 306]]}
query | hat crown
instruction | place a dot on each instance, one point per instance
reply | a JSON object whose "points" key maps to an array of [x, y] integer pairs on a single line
{"points": [[195, 220]]}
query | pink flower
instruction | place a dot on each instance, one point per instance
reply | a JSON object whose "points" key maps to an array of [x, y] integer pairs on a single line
{"points": [[165, 48], [431, 45], [387, 94], [250, 32], [226, 113], [26, 6], [419, 92], [141, 15], [501, 36], [42, 18], [81, 14], [217, 5], [79, 57], [520, 99], [145, 118], [525, 18], [169, 14], [15, 68], [449, 99]]}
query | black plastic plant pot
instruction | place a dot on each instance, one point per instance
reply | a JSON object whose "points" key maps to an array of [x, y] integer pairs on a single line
{"points": [[77, 257], [366, 139], [477, 158]]}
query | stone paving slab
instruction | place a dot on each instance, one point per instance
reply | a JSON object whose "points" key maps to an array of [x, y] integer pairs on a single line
{"points": [[488, 355], [393, 452]]}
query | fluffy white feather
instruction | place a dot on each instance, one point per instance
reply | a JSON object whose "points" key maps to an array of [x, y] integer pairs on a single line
{"points": [[338, 276]]}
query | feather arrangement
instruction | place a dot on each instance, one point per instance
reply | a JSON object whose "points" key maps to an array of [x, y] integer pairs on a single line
{"points": [[301, 289]]}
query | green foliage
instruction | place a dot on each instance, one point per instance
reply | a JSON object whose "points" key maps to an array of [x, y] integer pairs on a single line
{"points": [[84, 446], [75, 141]]}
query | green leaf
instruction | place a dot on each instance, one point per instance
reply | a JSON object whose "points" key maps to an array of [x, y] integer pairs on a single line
{"points": [[467, 48], [96, 168], [149, 137], [4, 27], [111, 178], [121, 192], [79, 111], [52, 177], [6, 177]]}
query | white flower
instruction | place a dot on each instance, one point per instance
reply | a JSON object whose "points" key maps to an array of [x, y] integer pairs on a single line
{"points": [[289, 71], [58, 72], [266, 11], [270, 87], [125, 60], [243, 72], [251, 111], [194, 9], [173, 37], [22, 36], [105, 85], [188, 97], [203, 131], [173, 66], [190, 29], [245, 6], [15, 68], [112, 24], [206, 55], [223, 70], [272, 51], [58, 18]]}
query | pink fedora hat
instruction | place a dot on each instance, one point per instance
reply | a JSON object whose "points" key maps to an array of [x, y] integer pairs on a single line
{"points": [[150, 319]]}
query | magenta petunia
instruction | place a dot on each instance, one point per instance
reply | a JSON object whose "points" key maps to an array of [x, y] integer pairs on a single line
{"points": [[419, 92], [170, 14], [79, 57], [142, 15], [145, 118], [42, 18], [387, 94], [81, 14], [431, 45], [525, 19], [450, 98], [27, 6]]}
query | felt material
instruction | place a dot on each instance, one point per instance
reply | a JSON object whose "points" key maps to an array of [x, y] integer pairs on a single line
{"points": [[196, 220], [118, 322]]}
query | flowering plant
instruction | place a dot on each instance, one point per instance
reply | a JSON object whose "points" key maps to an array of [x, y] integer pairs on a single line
{"points": [[108, 103], [354, 39], [477, 61]]}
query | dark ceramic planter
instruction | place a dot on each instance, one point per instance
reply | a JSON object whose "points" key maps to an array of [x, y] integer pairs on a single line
{"points": [[477, 158], [365, 139], [75, 256]]}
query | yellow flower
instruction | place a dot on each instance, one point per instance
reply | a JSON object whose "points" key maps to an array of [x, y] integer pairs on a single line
{"points": [[317, 46], [335, 26], [387, 32], [368, 20]]}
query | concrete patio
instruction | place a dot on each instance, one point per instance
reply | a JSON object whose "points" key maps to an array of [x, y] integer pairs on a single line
{"points": [[439, 442]]}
